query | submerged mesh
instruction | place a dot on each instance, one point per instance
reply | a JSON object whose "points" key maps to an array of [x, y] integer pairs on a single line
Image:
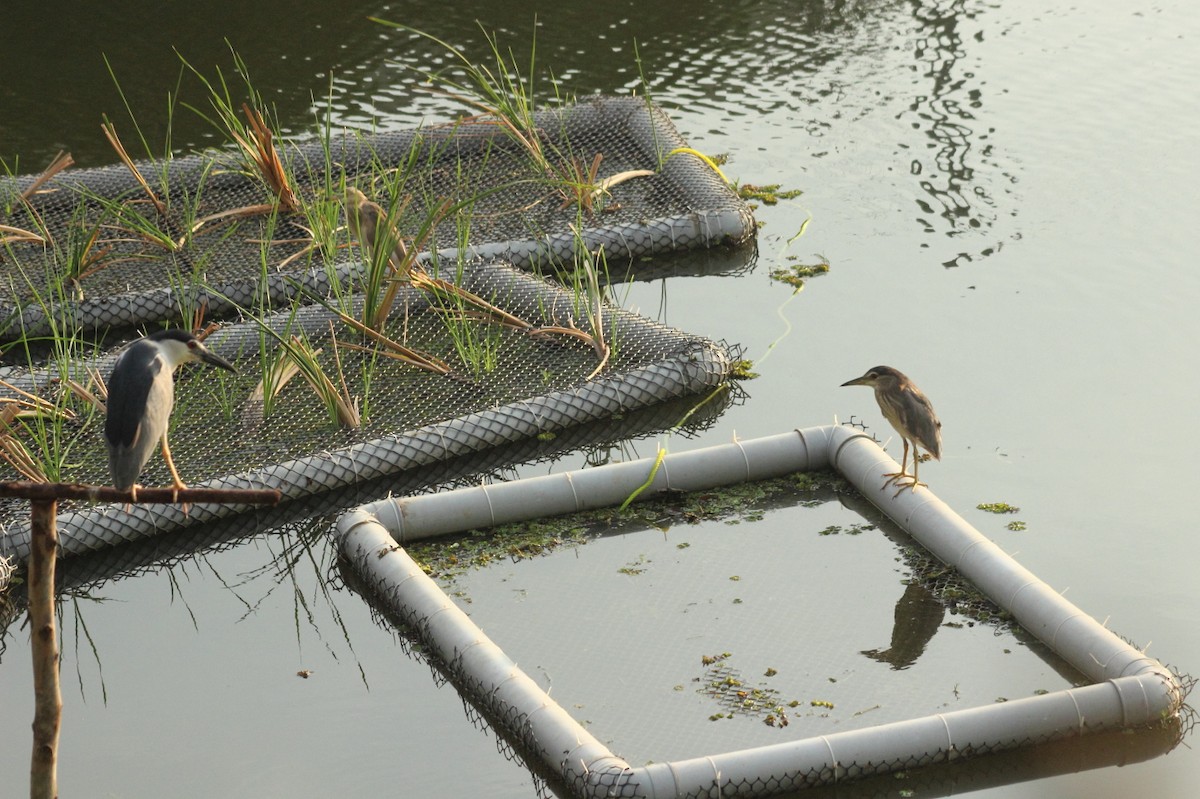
{"points": [[535, 386], [519, 213]]}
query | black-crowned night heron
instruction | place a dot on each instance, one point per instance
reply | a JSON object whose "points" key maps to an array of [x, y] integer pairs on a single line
{"points": [[141, 393], [910, 412]]}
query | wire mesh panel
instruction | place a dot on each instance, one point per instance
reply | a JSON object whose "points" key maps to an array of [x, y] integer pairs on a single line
{"points": [[501, 385], [98, 253]]}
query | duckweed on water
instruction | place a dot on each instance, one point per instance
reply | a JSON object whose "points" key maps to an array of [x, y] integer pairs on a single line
{"points": [[998, 507], [796, 274], [745, 502], [768, 194]]}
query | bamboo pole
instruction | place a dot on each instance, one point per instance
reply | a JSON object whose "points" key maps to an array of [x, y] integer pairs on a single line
{"points": [[43, 556], [47, 696]]}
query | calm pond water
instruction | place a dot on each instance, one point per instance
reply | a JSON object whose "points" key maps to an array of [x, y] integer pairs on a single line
{"points": [[1004, 192]]}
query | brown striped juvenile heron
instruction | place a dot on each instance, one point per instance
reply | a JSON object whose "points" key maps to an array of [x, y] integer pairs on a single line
{"points": [[141, 394], [910, 412], [368, 224]]}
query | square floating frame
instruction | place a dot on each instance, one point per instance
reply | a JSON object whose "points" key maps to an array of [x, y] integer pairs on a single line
{"points": [[1129, 689]]}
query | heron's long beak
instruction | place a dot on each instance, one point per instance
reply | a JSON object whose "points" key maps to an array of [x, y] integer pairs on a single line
{"points": [[208, 356], [858, 381]]}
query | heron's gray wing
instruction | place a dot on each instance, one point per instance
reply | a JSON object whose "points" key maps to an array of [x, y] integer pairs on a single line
{"points": [[129, 388]]}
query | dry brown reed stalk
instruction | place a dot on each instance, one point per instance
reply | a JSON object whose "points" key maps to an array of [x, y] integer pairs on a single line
{"points": [[594, 311], [305, 358], [200, 330], [394, 349], [595, 341], [527, 136], [24, 402], [345, 393], [583, 189], [98, 382], [110, 133], [614, 180], [369, 223], [14, 235], [13, 451], [91, 259], [232, 213], [437, 286], [260, 150], [87, 395], [581, 185], [57, 164]]}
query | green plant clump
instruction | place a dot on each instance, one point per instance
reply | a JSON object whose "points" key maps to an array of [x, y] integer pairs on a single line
{"points": [[998, 507]]}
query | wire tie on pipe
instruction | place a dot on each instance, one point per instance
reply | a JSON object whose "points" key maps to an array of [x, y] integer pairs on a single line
{"points": [[1142, 656], [832, 757], [574, 493], [949, 736], [1078, 713], [491, 510], [366, 519], [716, 774], [922, 503], [837, 454], [745, 458], [397, 509], [440, 430]]}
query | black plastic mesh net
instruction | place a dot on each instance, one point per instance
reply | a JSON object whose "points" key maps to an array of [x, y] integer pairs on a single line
{"points": [[510, 385], [468, 197], [106, 257]]}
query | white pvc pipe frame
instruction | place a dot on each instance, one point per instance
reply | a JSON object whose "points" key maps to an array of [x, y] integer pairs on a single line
{"points": [[1130, 689]]}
